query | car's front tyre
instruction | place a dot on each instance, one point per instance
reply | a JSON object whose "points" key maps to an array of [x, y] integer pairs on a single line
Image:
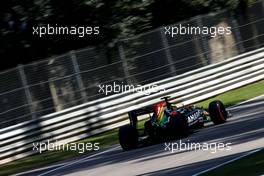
{"points": [[217, 111]]}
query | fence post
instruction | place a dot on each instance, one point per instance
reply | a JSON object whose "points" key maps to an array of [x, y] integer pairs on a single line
{"points": [[54, 95], [27, 91], [204, 42], [78, 76], [167, 52], [237, 35], [124, 62]]}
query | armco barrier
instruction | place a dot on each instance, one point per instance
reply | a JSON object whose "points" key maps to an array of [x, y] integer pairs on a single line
{"points": [[108, 113]]}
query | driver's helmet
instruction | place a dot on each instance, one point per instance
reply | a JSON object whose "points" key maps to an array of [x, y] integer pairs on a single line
{"points": [[174, 106]]}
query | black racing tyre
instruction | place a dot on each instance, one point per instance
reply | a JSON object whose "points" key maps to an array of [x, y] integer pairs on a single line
{"points": [[128, 137], [217, 112], [178, 126]]}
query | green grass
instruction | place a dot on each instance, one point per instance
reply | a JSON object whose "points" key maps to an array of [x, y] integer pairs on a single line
{"points": [[252, 165], [237, 95], [109, 138]]}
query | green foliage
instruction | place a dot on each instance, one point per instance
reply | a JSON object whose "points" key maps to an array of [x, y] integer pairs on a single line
{"points": [[117, 19], [220, 4]]}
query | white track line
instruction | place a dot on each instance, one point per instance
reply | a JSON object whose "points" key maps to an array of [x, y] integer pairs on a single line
{"points": [[78, 161], [227, 162]]}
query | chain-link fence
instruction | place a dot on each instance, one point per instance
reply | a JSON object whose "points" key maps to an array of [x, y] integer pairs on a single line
{"points": [[51, 85]]}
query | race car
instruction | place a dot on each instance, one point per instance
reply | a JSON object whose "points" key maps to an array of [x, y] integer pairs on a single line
{"points": [[168, 121]]}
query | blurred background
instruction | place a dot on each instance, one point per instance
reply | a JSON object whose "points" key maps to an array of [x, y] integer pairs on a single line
{"points": [[118, 19], [44, 75]]}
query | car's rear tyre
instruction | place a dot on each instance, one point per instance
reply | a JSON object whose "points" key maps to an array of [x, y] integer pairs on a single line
{"points": [[217, 112], [128, 137], [178, 126]]}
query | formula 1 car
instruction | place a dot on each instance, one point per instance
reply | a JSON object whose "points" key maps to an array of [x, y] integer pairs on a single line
{"points": [[169, 121]]}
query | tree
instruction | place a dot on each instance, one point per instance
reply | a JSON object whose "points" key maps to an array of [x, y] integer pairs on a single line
{"points": [[117, 19]]}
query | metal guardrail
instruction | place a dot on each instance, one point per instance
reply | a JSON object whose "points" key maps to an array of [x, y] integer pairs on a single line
{"points": [[111, 112]]}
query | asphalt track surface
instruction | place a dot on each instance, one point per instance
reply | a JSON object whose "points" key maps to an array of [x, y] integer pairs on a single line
{"points": [[245, 132]]}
